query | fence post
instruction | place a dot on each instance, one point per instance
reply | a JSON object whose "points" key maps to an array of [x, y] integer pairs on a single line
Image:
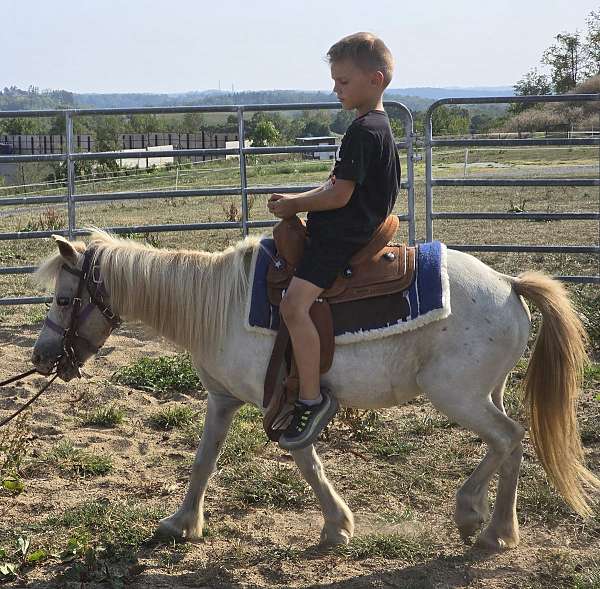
{"points": [[70, 176], [244, 187], [428, 169], [411, 137]]}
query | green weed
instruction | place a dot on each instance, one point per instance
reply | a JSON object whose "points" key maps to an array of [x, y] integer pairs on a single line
{"points": [[78, 461], [267, 486], [425, 425], [172, 416], [50, 219], [245, 437], [163, 375], [390, 444], [14, 446], [108, 416], [359, 424], [117, 527], [392, 546]]}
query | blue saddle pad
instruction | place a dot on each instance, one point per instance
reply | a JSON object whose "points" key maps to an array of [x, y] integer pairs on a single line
{"points": [[427, 299]]}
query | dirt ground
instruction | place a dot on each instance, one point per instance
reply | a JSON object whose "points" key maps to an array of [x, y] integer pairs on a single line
{"points": [[403, 502]]}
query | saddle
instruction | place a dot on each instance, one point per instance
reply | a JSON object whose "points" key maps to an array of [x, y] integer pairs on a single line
{"points": [[376, 271]]}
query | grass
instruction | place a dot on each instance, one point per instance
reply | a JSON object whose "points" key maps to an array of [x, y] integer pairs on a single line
{"points": [[165, 375], [118, 527], [537, 498], [172, 416], [425, 425], [79, 462], [14, 445], [109, 416], [265, 485], [391, 445], [560, 570], [389, 546], [245, 437]]}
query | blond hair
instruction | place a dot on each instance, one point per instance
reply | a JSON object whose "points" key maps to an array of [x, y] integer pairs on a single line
{"points": [[366, 51]]}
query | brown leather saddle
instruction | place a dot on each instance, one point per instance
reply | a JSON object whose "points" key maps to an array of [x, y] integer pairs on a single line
{"points": [[376, 271]]}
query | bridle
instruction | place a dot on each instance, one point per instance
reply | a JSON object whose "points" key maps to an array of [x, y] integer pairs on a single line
{"points": [[90, 279]]}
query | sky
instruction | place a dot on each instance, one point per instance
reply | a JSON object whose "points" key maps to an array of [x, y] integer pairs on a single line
{"points": [[185, 45]]}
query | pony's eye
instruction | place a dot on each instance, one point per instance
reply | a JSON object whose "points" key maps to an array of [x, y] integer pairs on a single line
{"points": [[62, 301]]}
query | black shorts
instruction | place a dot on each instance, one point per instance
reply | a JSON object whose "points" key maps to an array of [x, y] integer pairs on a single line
{"points": [[323, 261]]}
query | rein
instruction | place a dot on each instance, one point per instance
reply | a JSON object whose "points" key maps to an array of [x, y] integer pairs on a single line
{"points": [[89, 278], [37, 395]]}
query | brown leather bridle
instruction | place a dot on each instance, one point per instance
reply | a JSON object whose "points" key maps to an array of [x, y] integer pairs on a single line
{"points": [[89, 278]]}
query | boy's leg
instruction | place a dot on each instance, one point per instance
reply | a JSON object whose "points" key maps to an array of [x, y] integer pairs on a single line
{"points": [[295, 307], [315, 407]]}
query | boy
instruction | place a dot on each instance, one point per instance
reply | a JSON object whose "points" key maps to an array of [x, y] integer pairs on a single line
{"points": [[343, 214]]}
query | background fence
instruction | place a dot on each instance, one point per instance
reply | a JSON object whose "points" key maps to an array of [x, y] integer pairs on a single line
{"points": [[430, 182], [72, 152], [56, 144]]}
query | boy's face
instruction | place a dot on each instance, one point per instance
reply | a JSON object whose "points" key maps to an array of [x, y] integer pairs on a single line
{"points": [[354, 86]]}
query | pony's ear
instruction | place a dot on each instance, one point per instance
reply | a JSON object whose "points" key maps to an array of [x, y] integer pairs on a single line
{"points": [[67, 251]]}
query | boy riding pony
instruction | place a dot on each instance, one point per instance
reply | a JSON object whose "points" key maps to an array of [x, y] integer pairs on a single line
{"points": [[343, 215]]}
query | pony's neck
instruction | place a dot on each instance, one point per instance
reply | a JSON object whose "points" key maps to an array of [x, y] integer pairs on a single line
{"points": [[182, 295]]}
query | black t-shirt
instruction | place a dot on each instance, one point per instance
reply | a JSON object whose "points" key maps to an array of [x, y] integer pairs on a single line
{"points": [[367, 155]]}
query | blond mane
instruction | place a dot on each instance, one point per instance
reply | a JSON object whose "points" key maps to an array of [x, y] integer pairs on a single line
{"points": [[183, 294]]}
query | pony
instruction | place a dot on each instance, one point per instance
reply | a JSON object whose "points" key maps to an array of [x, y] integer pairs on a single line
{"points": [[197, 300]]}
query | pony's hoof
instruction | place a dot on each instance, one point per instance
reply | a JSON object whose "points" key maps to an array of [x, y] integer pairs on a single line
{"points": [[493, 542], [332, 538], [468, 529], [173, 527]]}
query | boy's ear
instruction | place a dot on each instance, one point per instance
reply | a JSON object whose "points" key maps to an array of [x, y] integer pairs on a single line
{"points": [[67, 251], [377, 78]]}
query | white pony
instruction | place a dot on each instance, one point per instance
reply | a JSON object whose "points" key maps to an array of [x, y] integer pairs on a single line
{"points": [[197, 300]]}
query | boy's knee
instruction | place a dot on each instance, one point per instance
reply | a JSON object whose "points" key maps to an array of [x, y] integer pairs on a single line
{"points": [[291, 308]]}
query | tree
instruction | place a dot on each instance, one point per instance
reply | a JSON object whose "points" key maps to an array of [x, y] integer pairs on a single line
{"points": [[592, 44], [263, 134], [193, 122], [316, 124], [531, 84], [145, 123], [20, 126], [341, 121], [397, 129], [446, 121], [566, 60], [483, 122], [276, 129]]}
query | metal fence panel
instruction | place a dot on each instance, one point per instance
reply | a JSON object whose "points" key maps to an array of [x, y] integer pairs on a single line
{"points": [[215, 146], [430, 182]]}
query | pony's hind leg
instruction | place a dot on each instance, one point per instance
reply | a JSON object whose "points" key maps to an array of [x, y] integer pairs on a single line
{"points": [[188, 521], [503, 436], [339, 521], [503, 529]]}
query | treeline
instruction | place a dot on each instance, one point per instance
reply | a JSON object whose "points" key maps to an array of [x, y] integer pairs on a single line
{"points": [[14, 98], [570, 65]]}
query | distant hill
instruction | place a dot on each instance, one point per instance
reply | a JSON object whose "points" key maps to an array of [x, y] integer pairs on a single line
{"points": [[417, 99], [454, 92]]}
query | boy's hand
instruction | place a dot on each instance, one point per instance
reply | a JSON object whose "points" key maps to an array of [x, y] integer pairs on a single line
{"points": [[282, 205]]}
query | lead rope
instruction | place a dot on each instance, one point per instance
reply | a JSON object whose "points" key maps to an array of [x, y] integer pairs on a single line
{"points": [[37, 395]]}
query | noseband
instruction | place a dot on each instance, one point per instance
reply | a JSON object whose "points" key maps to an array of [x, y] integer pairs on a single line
{"points": [[89, 278]]}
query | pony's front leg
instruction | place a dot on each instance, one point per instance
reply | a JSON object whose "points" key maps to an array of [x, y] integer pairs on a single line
{"points": [[188, 521], [339, 521]]}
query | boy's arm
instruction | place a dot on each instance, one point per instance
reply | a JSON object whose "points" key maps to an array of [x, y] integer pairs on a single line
{"points": [[332, 195]]}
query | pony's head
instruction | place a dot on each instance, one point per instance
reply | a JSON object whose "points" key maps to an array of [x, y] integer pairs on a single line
{"points": [[80, 318]]}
